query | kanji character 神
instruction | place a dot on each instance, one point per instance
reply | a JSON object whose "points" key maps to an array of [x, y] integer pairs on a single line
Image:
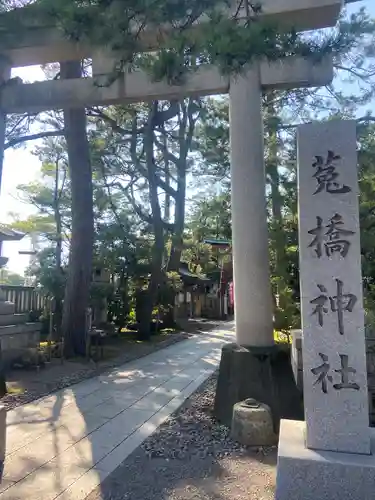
{"points": [[338, 303]]}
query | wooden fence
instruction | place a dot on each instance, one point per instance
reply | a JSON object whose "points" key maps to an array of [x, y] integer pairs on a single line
{"points": [[25, 298]]}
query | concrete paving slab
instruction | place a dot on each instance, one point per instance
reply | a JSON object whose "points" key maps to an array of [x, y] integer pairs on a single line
{"points": [[81, 434], [29, 458]]}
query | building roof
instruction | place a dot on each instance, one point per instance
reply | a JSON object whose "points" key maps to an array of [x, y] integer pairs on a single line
{"points": [[190, 277], [217, 242], [8, 234]]}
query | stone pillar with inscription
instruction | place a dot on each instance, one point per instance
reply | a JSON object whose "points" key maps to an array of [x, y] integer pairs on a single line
{"points": [[330, 455]]}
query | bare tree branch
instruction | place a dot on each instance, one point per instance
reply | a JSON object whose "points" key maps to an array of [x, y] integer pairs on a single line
{"points": [[361, 75]]}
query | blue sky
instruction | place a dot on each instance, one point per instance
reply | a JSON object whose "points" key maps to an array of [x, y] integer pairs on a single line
{"points": [[21, 166]]}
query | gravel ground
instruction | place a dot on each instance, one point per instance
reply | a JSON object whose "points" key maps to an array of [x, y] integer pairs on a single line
{"points": [[192, 457]]}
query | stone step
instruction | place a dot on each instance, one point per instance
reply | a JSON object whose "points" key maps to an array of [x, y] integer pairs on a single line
{"points": [[18, 329], [13, 319], [7, 307]]}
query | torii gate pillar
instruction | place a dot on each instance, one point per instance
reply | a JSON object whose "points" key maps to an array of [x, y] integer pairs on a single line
{"points": [[252, 367], [252, 291]]}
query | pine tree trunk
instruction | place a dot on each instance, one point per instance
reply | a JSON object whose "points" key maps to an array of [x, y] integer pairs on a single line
{"points": [[276, 205], [168, 317], [149, 298], [77, 289], [185, 135], [179, 223], [167, 177], [58, 311]]}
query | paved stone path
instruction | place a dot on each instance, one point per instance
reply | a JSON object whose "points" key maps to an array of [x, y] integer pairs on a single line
{"points": [[62, 446]]}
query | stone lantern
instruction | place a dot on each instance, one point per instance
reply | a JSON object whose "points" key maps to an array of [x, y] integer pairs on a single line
{"points": [[100, 309], [7, 234]]}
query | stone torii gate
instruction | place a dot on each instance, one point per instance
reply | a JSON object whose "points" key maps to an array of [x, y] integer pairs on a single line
{"points": [[253, 303]]}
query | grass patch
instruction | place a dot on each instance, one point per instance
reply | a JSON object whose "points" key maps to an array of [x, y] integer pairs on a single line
{"points": [[126, 333], [165, 331], [46, 344], [15, 390], [126, 330], [282, 337]]}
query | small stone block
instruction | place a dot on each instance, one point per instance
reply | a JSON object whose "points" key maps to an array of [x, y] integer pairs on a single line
{"points": [[12, 319], [7, 308], [305, 474], [297, 339], [252, 424]]}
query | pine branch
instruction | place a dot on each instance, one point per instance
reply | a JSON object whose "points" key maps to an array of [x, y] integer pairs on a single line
{"points": [[97, 113], [141, 168], [26, 138]]}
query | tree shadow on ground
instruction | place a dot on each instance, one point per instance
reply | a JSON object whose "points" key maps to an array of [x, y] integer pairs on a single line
{"points": [[192, 457], [28, 384], [236, 476], [73, 421]]}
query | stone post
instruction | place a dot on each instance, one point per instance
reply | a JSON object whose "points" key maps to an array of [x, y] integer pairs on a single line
{"points": [[330, 455], [253, 301], [333, 349]]}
